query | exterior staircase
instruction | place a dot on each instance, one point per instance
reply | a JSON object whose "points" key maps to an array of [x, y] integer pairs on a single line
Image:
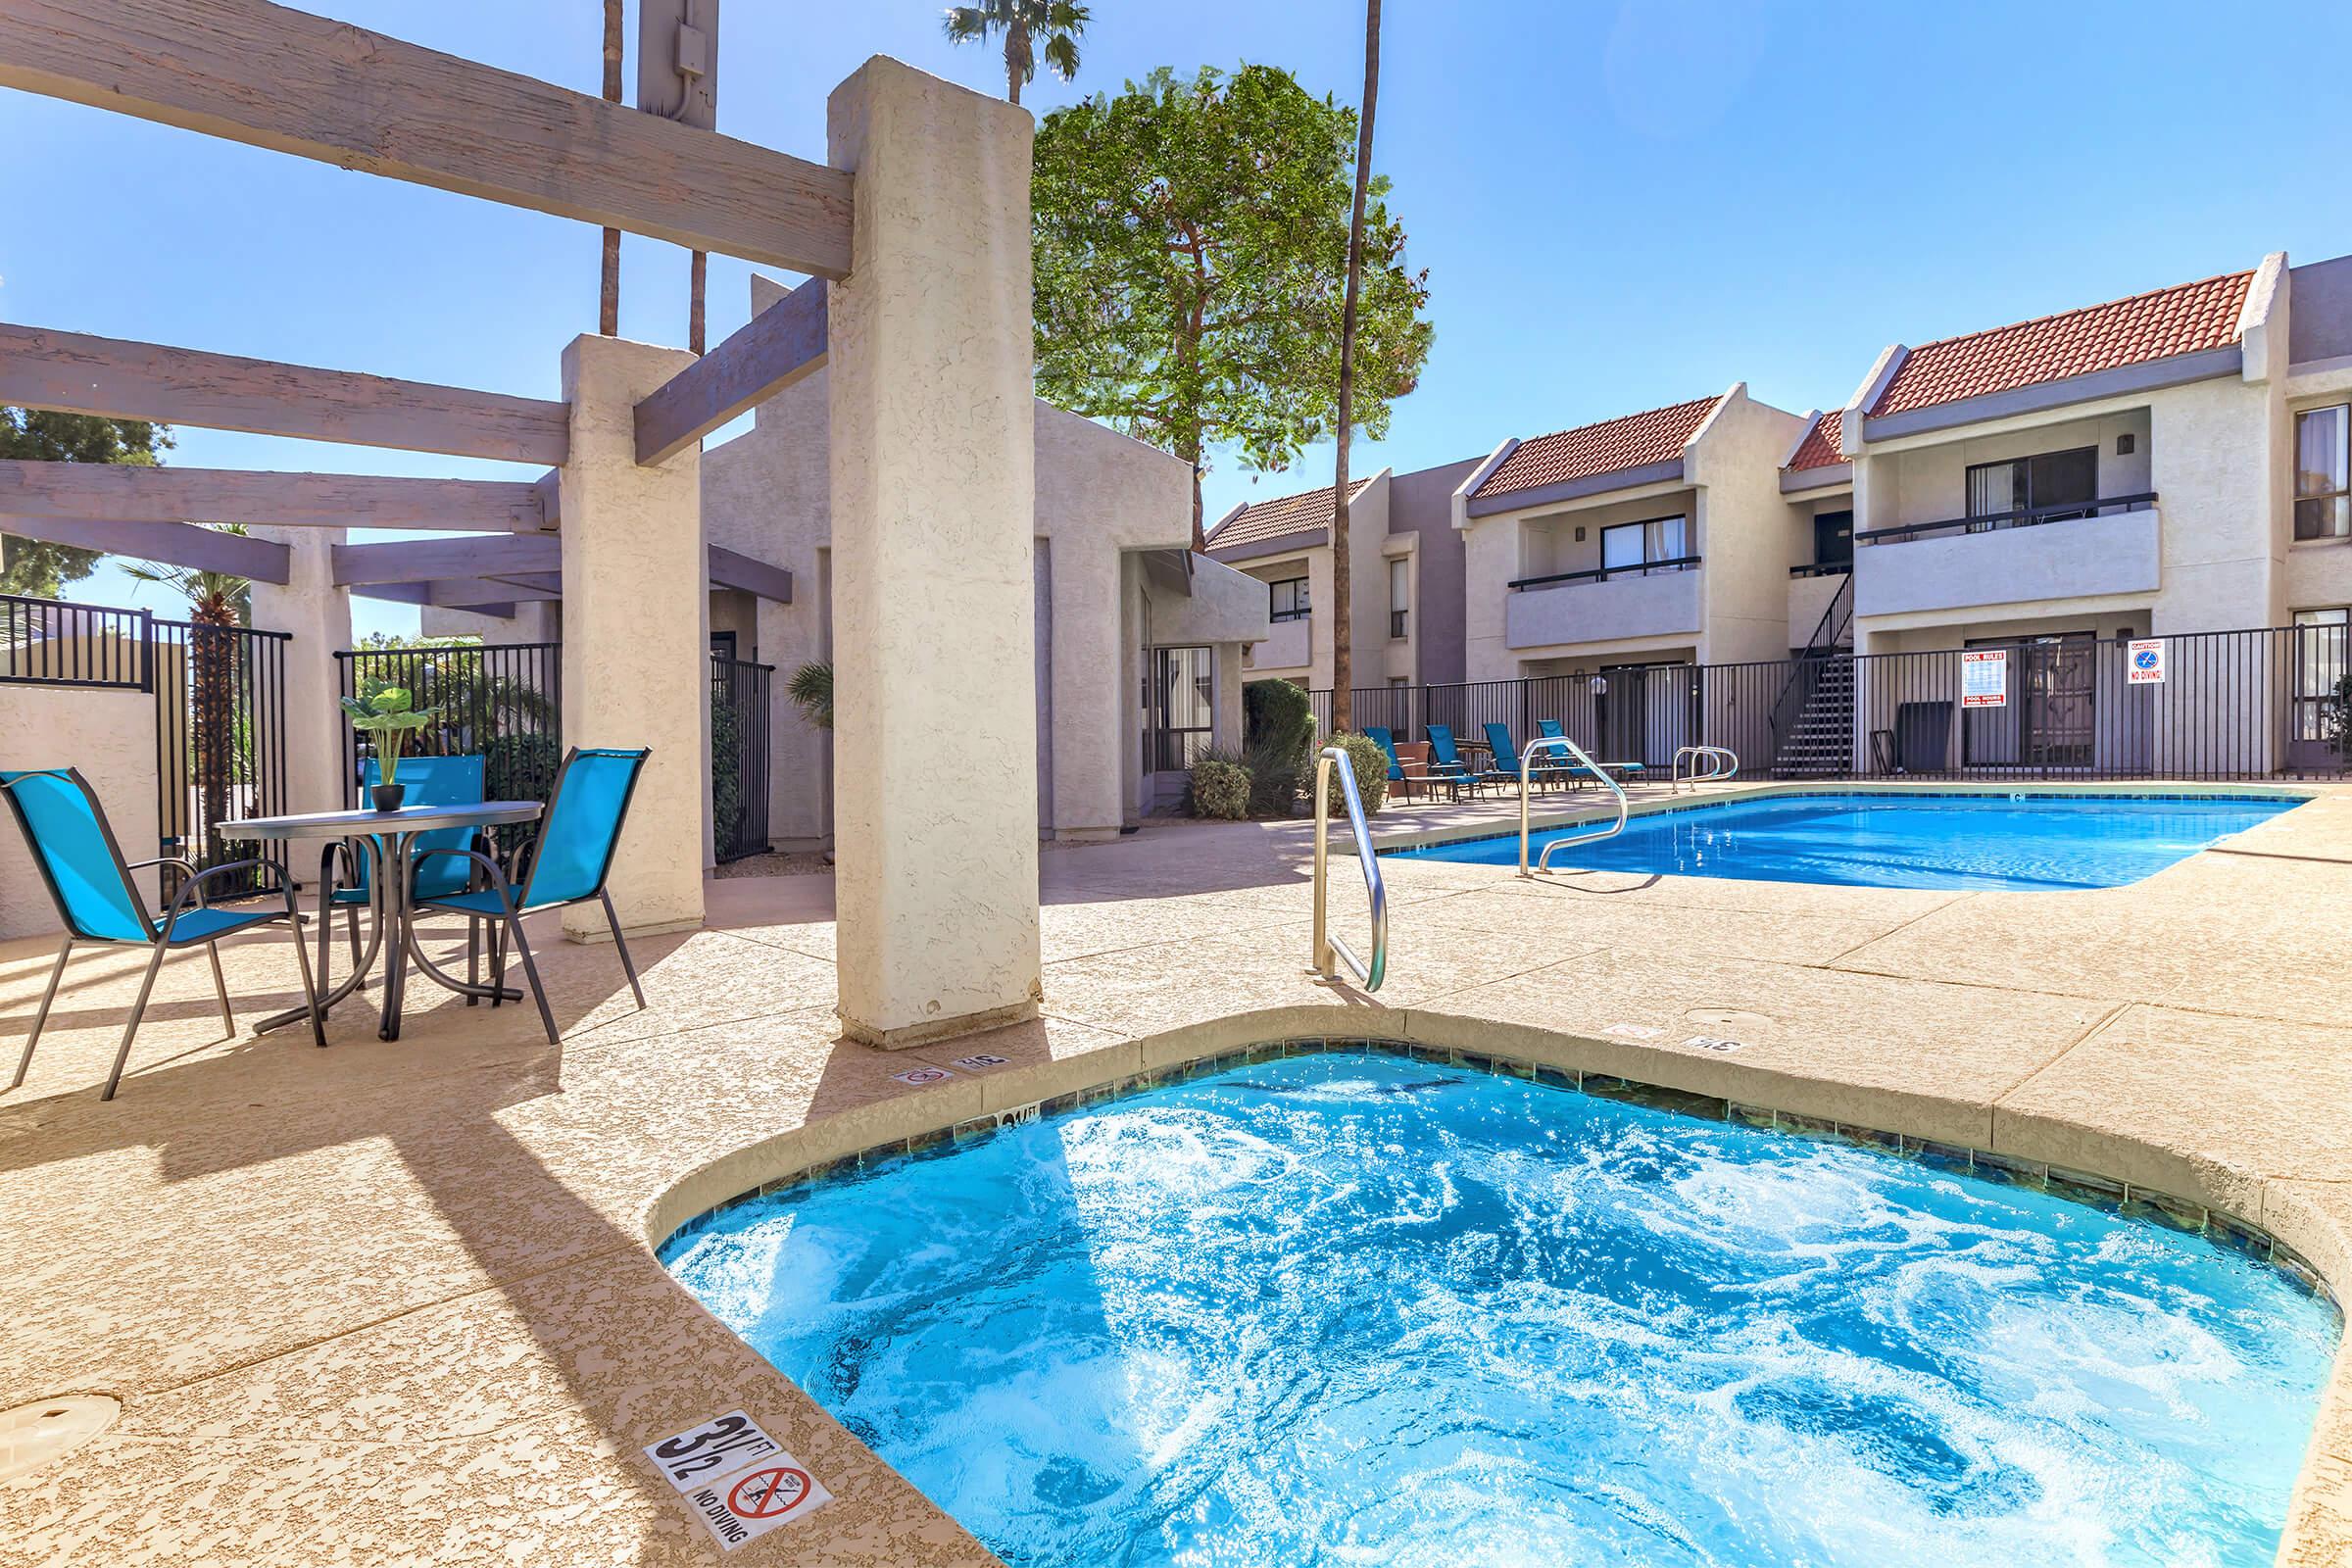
{"points": [[1821, 739]]}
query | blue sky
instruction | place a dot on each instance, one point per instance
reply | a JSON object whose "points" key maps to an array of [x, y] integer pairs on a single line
{"points": [[1620, 205]]}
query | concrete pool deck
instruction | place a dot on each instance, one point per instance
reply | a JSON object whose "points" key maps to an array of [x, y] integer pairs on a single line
{"points": [[397, 1302]]}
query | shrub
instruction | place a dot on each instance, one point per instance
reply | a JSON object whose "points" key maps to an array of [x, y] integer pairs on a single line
{"points": [[1279, 744], [1220, 790], [1371, 765]]}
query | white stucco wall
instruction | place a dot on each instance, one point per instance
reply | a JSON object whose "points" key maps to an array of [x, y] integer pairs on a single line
{"points": [[110, 735], [1745, 527]]}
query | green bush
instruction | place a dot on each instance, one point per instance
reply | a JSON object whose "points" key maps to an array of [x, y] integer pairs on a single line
{"points": [[1371, 765], [1279, 744], [1220, 790]]}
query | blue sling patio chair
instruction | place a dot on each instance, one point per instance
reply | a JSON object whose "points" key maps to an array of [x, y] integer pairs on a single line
{"points": [[1508, 758], [1446, 764], [1388, 744], [429, 781], [98, 903], [1630, 771], [566, 862]]}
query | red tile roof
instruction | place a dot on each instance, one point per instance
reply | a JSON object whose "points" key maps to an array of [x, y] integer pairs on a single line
{"points": [[2183, 320], [1819, 449], [1628, 442], [1262, 521]]}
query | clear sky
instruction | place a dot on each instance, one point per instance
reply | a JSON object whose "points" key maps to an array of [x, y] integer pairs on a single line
{"points": [[1620, 205]]}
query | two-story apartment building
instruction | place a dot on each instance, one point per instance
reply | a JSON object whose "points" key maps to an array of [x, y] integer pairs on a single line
{"points": [[1404, 579]]}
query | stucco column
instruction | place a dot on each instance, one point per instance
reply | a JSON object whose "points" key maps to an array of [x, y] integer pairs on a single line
{"points": [[636, 640], [935, 737], [310, 606]]}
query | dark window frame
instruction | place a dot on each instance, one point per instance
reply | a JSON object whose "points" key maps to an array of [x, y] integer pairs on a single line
{"points": [[2021, 500], [1300, 608]]}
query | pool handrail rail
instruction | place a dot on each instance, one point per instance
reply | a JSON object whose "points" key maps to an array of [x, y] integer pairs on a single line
{"points": [[1712, 757], [1527, 762], [1327, 943]]}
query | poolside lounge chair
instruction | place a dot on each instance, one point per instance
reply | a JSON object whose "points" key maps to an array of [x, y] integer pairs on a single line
{"points": [[429, 781], [566, 863], [99, 903], [1388, 744], [1629, 772], [1446, 764], [1508, 760]]}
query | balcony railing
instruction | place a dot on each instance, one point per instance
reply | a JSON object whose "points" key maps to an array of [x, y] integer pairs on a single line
{"points": [[2022, 518], [1280, 615], [1824, 568], [1604, 574]]}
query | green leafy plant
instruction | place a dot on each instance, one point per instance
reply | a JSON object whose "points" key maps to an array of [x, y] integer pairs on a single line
{"points": [[2335, 714], [389, 719], [811, 692], [1278, 731], [1370, 765], [1220, 788]]}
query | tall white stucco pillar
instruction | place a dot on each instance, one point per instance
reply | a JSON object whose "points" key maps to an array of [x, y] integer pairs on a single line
{"points": [[935, 737], [317, 614], [636, 638]]}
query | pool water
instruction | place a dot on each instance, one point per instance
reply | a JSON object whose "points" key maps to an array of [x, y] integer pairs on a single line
{"points": [[1893, 841], [1351, 1310]]}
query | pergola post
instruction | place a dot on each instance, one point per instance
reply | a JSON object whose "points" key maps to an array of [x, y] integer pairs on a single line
{"points": [[318, 612], [935, 737], [636, 640]]}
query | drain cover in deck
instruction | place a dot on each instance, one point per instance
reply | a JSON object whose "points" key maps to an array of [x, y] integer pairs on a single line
{"points": [[33, 1434]]}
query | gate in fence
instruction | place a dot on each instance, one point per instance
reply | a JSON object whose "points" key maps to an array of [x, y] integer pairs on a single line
{"points": [[739, 697], [219, 742], [500, 702]]}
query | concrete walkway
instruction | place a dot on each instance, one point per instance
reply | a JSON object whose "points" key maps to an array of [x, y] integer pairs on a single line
{"points": [[397, 1302]]}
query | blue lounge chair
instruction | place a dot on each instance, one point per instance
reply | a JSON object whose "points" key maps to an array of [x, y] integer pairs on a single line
{"points": [[1388, 744], [1508, 760], [1551, 726], [99, 903], [1446, 764], [429, 781], [565, 864]]}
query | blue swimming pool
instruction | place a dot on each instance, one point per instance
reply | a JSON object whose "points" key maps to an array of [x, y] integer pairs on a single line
{"points": [[1351, 1310], [1903, 841]]}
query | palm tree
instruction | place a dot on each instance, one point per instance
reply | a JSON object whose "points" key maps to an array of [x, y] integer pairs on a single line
{"points": [[218, 602], [1022, 22], [811, 692], [1343, 675]]}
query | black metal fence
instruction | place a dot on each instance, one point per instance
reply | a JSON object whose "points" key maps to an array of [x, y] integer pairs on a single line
{"points": [[219, 741], [2216, 706], [48, 641], [500, 701], [739, 728]]}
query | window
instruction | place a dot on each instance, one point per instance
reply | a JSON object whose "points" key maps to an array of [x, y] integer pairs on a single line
{"points": [[1627, 545], [1400, 596], [2323, 490], [1288, 599], [2001, 492]]}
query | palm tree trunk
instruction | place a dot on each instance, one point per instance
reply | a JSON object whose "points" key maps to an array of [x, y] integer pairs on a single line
{"points": [[211, 723], [1343, 660], [608, 304], [1016, 56]]}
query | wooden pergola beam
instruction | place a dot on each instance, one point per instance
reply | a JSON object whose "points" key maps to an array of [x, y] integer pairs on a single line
{"points": [[271, 76], [113, 492], [768, 353], [730, 569], [70, 373], [173, 544], [423, 559], [467, 593]]}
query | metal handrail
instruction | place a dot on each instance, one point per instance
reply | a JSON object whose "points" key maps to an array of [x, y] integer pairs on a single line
{"points": [[1527, 768], [1713, 756], [1327, 944]]}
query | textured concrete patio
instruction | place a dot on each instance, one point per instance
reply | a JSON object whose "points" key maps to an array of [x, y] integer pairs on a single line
{"points": [[397, 1302]]}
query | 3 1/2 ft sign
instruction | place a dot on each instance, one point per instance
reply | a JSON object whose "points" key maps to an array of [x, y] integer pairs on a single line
{"points": [[713, 1448]]}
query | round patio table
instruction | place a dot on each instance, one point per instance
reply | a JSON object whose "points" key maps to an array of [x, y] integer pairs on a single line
{"points": [[385, 839]]}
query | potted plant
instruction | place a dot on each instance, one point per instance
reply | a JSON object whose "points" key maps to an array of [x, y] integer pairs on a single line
{"points": [[387, 716]]}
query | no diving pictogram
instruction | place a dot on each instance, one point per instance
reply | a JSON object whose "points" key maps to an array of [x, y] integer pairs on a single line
{"points": [[769, 1493]]}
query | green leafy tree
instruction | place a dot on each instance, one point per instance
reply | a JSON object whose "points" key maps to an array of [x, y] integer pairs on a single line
{"points": [[811, 692], [30, 567], [1191, 248], [1021, 22]]}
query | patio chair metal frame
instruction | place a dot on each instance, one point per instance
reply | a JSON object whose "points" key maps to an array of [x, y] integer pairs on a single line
{"points": [[191, 887], [342, 871], [516, 904]]}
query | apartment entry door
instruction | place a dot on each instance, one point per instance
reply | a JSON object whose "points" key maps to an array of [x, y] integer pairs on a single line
{"points": [[2052, 717]]}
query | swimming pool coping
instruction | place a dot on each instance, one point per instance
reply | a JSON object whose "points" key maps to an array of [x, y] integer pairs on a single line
{"points": [[2109, 1194], [1405, 847]]}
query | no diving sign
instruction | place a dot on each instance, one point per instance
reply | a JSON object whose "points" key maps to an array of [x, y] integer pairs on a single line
{"points": [[2144, 659], [737, 1479]]}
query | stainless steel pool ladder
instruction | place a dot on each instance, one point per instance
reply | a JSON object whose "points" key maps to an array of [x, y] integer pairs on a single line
{"points": [[1327, 944], [1713, 756], [1527, 769]]}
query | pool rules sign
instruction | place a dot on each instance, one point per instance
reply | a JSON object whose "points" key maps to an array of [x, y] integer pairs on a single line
{"points": [[737, 1479], [1984, 677]]}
